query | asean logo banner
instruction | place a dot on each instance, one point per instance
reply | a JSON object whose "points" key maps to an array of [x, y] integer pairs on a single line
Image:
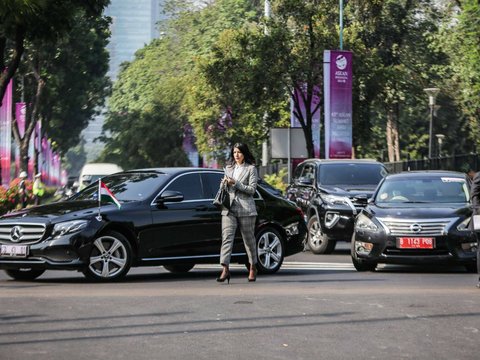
{"points": [[338, 103]]}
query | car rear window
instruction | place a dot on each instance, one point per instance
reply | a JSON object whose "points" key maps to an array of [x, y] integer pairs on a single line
{"points": [[351, 174]]}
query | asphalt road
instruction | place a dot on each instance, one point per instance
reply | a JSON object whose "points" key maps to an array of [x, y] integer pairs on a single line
{"points": [[315, 307]]}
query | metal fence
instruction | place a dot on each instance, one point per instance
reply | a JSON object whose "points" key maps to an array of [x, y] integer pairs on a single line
{"points": [[460, 163]]}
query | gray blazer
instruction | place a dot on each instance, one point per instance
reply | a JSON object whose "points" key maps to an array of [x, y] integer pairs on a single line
{"points": [[241, 194]]}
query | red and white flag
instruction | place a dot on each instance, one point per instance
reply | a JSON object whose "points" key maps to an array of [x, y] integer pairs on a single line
{"points": [[104, 194]]}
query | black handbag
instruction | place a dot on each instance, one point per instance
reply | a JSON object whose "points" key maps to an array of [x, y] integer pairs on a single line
{"points": [[222, 198]]}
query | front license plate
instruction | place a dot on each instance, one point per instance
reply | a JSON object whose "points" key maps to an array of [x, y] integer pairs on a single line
{"points": [[415, 243], [14, 250]]}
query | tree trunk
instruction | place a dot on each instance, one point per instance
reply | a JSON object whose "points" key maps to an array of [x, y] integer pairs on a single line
{"points": [[389, 133], [8, 71], [396, 137], [31, 118], [393, 142]]}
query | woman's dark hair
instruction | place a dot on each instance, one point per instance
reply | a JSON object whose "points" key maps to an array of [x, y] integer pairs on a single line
{"points": [[249, 159]]}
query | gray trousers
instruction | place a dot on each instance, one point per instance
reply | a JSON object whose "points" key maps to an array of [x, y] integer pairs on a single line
{"points": [[247, 229]]}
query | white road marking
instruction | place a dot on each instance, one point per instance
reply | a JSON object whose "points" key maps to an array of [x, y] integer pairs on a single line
{"points": [[293, 265]]}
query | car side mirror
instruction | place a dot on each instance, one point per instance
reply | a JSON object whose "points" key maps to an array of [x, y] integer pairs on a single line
{"points": [[305, 181], [169, 196]]}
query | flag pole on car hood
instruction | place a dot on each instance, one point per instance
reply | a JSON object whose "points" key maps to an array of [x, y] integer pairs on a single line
{"points": [[99, 216]]}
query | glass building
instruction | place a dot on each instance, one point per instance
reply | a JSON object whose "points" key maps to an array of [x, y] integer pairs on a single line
{"points": [[134, 25]]}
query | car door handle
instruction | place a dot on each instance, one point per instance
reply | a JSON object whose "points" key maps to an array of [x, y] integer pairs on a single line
{"points": [[201, 208]]}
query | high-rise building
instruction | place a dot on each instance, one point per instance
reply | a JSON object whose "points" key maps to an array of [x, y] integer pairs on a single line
{"points": [[134, 25]]}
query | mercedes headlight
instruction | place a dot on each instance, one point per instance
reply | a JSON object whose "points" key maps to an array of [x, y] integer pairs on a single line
{"points": [[365, 223], [68, 227]]}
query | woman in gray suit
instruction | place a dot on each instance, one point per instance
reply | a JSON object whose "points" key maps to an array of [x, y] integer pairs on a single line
{"points": [[241, 177]]}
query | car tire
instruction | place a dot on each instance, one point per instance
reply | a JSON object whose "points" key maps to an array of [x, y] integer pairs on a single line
{"points": [[361, 264], [110, 257], [179, 269], [24, 274], [270, 251], [318, 242]]}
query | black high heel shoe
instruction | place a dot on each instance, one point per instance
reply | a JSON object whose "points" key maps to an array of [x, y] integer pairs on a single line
{"points": [[254, 278], [223, 278]]}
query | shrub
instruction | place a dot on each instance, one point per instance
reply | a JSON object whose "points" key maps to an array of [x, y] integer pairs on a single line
{"points": [[276, 180]]}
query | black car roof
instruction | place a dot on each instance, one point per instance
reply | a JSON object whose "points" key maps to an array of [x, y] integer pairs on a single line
{"points": [[426, 173], [343, 161], [171, 170]]}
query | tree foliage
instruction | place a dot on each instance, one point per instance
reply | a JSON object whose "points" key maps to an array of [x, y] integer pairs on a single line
{"points": [[31, 20], [63, 81], [229, 72], [156, 83]]}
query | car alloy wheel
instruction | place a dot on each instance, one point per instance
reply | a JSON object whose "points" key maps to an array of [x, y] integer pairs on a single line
{"points": [[24, 274], [110, 258], [270, 251], [318, 242]]}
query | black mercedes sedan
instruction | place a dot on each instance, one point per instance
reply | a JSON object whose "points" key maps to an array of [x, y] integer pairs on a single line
{"points": [[416, 218], [162, 216]]}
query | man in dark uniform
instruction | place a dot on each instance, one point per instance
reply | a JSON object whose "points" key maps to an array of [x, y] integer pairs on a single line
{"points": [[475, 197]]}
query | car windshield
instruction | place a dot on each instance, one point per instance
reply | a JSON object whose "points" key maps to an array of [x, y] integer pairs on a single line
{"points": [[126, 186], [442, 189], [351, 174]]}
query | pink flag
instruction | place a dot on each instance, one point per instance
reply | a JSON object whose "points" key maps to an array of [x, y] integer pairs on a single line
{"points": [[6, 135]]}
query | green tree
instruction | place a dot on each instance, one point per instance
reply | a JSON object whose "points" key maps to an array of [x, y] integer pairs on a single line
{"points": [[459, 38], [254, 73], [154, 86], [30, 20], [64, 82], [152, 139]]}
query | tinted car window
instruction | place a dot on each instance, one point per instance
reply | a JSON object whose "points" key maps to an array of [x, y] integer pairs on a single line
{"points": [[298, 171], [189, 185], [308, 171], [351, 174], [211, 183], [126, 187]]}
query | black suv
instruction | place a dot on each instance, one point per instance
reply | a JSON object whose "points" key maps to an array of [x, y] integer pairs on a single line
{"points": [[331, 193]]}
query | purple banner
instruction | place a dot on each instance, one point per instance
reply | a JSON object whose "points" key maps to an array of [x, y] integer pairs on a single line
{"points": [[314, 109], [338, 103], [20, 112], [38, 144], [6, 135]]}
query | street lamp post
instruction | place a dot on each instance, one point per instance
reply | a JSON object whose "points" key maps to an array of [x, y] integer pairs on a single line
{"points": [[432, 95]]}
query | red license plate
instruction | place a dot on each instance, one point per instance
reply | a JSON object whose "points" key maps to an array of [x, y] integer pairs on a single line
{"points": [[415, 243]]}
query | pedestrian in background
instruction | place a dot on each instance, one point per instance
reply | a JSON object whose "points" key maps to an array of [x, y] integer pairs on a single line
{"points": [[38, 189], [22, 189], [241, 178], [475, 198]]}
